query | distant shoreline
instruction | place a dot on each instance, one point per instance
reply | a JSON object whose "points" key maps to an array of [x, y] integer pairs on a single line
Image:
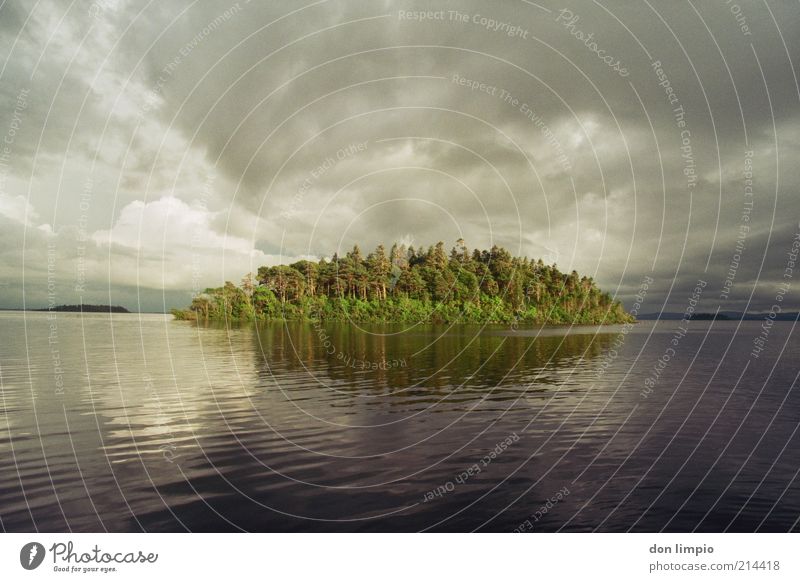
{"points": [[84, 309], [117, 309], [722, 316]]}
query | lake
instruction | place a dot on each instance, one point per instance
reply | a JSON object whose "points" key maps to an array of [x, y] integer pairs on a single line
{"points": [[136, 422]]}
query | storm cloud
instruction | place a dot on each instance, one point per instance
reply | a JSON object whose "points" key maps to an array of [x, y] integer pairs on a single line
{"points": [[154, 149]]}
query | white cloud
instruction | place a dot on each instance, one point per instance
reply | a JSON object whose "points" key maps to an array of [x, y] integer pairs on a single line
{"points": [[175, 246], [17, 208]]}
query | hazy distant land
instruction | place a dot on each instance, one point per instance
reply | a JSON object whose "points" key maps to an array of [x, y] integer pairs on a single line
{"points": [[86, 308]]}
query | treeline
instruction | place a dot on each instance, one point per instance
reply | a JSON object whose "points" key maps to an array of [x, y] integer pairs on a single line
{"points": [[412, 285]]}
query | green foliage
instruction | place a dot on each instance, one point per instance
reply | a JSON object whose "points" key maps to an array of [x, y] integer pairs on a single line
{"points": [[412, 286]]}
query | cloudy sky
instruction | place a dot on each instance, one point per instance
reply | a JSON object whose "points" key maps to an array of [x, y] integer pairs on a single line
{"points": [[155, 148]]}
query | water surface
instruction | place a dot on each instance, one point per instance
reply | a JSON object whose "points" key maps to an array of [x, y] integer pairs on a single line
{"points": [[136, 422]]}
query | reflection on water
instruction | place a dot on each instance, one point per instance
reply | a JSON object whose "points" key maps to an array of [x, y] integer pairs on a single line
{"points": [[131, 423]]}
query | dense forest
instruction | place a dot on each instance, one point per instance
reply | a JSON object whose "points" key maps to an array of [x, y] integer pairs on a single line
{"points": [[410, 285]]}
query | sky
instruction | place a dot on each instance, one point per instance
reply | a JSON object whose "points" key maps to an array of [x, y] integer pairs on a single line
{"points": [[153, 149]]}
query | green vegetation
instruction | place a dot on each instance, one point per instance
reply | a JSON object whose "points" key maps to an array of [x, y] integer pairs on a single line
{"points": [[408, 285]]}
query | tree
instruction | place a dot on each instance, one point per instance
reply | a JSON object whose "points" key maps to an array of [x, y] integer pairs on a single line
{"points": [[379, 269], [438, 257], [285, 281], [460, 252], [309, 271]]}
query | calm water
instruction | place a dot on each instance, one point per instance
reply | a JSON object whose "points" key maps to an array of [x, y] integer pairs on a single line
{"points": [[130, 423]]}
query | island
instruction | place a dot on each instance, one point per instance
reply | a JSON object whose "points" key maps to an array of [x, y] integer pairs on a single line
{"points": [[86, 308], [412, 285]]}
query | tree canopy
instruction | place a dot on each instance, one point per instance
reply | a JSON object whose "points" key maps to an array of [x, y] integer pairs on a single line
{"points": [[408, 284]]}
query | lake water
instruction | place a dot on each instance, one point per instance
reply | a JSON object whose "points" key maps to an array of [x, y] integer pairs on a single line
{"points": [[130, 423]]}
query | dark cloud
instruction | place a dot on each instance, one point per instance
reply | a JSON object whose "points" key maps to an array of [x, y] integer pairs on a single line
{"points": [[286, 129]]}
